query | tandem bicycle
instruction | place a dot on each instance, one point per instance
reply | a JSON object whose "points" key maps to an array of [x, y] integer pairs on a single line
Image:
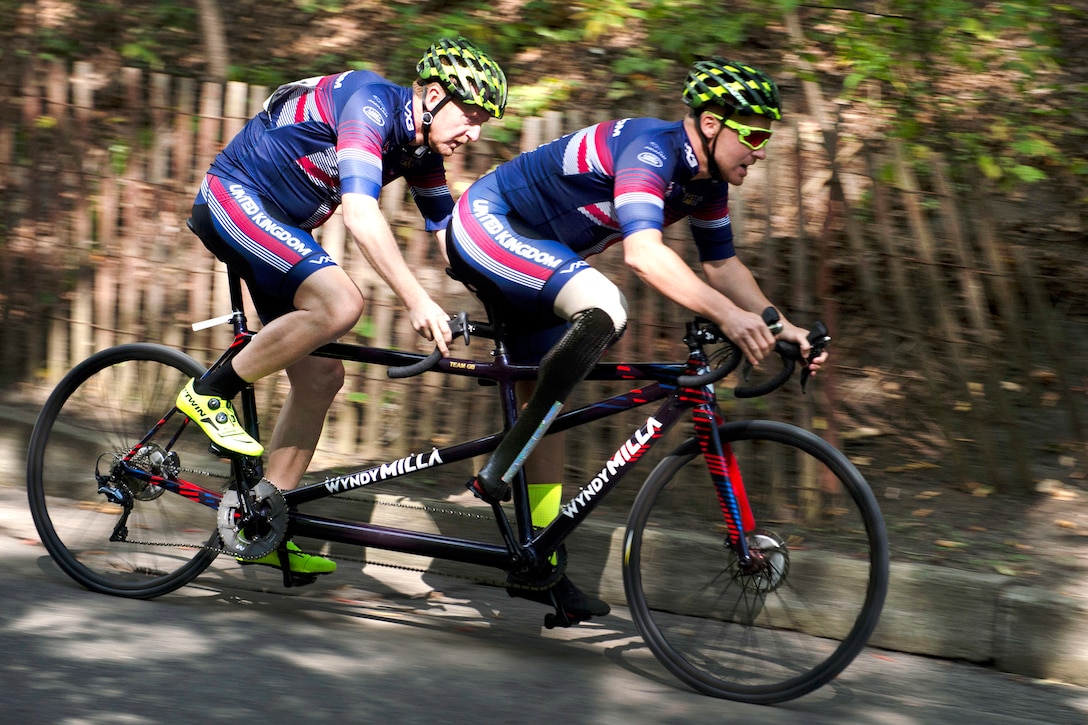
{"points": [[758, 586]]}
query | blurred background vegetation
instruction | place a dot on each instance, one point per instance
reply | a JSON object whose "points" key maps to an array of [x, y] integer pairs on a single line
{"points": [[998, 85]]}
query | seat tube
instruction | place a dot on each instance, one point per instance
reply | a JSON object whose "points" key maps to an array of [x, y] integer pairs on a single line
{"points": [[725, 474]]}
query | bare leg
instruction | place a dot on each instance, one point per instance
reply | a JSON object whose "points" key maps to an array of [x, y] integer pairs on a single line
{"points": [[328, 304], [314, 383]]}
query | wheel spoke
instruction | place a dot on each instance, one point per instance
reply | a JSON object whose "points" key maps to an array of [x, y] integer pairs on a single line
{"points": [[78, 488], [800, 613]]}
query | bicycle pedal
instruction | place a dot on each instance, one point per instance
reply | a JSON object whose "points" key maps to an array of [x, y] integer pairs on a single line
{"points": [[295, 579], [555, 619]]}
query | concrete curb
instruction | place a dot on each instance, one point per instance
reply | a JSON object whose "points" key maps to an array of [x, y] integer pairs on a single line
{"points": [[935, 611], [991, 619]]}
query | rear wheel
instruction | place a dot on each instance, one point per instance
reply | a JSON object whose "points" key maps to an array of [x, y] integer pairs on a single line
{"points": [[79, 490], [785, 627]]}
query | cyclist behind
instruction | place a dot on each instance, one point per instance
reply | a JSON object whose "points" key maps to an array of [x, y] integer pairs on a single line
{"points": [[321, 143], [520, 235]]}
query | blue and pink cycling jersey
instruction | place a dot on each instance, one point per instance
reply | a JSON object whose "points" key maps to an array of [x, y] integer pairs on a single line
{"points": [[519, 233], [285, 173]]}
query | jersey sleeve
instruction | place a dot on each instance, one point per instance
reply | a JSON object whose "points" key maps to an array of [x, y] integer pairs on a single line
{"points": [[640, 184], [712, 230], [431, 193], [361, 130]]}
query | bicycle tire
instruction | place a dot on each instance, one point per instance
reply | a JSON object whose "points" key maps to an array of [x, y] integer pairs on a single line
{"points": [[103, 407], [769, 637]]}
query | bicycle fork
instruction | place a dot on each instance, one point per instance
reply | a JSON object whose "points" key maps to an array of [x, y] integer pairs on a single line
{"points": [[728, 483]]}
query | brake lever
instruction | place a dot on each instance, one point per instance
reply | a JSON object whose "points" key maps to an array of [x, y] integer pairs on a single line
{"points": [[746, 369], [771, 318], [459, 325], [818, 338]]}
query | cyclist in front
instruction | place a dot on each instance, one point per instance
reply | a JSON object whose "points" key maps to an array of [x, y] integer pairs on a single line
{"points": [[321, 143], [520, 236]]}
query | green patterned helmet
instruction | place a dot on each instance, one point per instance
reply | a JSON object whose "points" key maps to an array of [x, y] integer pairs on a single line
{"points": [[732, 85], [467, 73]]}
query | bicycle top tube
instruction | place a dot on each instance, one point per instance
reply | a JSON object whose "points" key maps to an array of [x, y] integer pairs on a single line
{"points": [[700, 332]]}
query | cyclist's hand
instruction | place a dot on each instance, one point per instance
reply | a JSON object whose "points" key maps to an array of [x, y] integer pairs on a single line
{"points": [[749, 332], [799, 335], [432, 322]]}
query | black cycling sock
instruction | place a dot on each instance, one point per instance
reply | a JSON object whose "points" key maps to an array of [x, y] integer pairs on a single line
{"points": [[562, 368], [222, 382]]}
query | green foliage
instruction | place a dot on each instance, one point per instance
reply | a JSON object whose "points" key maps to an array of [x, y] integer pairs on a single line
{"points": [[144, 36], [904, 60], [314, 7]]}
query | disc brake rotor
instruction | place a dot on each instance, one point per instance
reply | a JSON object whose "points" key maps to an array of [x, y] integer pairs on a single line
{"points": [[773, 563], [262, 532]]}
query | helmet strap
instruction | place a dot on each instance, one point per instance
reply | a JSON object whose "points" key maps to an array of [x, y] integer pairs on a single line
{"points": [[709, 145], [428, 118]]}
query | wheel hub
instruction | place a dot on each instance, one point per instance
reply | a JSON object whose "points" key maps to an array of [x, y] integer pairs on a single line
{"points": [[768, 565]]}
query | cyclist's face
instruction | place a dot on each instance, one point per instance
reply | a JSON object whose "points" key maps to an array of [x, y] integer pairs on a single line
{"points": [[734, 157], [456, 124]]}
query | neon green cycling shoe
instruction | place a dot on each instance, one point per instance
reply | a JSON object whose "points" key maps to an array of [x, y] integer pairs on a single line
{"points": [[301, 562], [216, 418]]}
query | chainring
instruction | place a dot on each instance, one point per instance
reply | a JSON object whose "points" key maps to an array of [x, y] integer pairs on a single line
{"points": [[263, 532]]}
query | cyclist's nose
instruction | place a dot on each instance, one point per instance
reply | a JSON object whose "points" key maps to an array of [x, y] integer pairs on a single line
{"points": [[473, 132]]}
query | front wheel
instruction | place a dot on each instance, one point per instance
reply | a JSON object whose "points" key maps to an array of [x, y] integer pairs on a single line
{"points": [[79, 491], [772, 632]]}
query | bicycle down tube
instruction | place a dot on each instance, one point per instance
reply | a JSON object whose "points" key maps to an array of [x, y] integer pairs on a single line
{"points": [[572, 513]]}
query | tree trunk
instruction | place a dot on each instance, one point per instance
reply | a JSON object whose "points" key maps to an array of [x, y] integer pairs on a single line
{"points": [[215, 40]]}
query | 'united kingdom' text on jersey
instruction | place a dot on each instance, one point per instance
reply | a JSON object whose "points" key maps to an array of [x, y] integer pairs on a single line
{"points": [[322, 137], [593, 187]]}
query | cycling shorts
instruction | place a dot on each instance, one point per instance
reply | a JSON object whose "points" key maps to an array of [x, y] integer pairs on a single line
{"points": [[515, 270], [273, 257]]}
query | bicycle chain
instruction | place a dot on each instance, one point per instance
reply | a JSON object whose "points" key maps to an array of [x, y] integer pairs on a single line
{"points": [[480, 580]]}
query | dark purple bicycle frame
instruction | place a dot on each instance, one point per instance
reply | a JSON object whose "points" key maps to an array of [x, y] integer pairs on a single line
{"points": [[534, 544], [525, 547]]}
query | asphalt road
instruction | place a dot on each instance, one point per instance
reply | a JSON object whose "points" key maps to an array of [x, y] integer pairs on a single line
{"points": [[377, 644]]}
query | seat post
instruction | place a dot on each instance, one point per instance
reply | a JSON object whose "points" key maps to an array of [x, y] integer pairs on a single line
{"points": [[235, 284]]}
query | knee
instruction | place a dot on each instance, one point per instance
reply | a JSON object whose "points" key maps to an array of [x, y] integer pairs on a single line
{"points": [[333, 301], [344, 316], [317, 378], [590, 289]]}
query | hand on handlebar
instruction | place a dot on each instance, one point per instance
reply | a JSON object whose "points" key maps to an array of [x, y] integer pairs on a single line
{"points": [[432, 323], [457, 325], [802, 338], [750, 332], [794, 345]]}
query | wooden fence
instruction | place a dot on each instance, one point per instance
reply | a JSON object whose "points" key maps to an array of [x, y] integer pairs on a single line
{"points": [[97, 172]]}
